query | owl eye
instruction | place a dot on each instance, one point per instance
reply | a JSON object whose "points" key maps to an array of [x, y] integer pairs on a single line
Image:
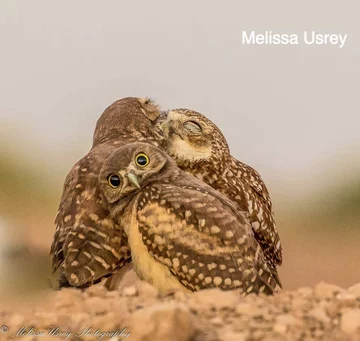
{"points": [[114, 180], [192, 127], [142, 160]]}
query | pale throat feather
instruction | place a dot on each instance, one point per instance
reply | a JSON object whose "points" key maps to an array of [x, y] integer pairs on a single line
{"points": [[183, 151]]}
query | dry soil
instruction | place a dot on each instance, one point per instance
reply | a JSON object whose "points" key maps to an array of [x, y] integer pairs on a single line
{"points": [[137, 312]]}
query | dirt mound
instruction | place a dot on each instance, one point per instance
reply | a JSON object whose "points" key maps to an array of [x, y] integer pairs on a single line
{"points": [[138, 312]]}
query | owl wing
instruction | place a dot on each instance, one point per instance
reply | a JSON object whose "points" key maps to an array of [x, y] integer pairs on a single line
{"points": [[88, 244], [203, 242], [256, 198], [254, 180]]}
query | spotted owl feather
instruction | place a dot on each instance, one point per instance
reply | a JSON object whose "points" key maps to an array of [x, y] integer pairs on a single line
{"points": [[182, 233], [88, 245], [203, 151]]}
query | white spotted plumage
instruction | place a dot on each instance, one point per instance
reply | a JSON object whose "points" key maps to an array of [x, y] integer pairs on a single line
{"points": [[238, 181]]}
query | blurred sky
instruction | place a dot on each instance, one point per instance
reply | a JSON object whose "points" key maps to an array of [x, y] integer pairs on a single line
{"points": [[292, 112]]}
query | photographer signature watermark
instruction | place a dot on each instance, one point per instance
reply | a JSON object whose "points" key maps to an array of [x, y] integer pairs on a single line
{"points": [[56, 331], [308, 38]]}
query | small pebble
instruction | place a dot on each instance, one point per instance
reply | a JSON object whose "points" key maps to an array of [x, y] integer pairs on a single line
{"points": [[130, 291], [355, 290], [326, 290], [350, 321]]}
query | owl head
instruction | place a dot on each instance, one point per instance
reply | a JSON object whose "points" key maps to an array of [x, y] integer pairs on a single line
{"points": [[128, 117], [131, 167], [192, 137]]}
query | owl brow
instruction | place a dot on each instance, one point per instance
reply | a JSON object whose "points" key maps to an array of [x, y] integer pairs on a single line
{"points": [[194, 120]]}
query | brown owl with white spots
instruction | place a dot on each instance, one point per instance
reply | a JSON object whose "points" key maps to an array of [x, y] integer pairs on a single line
{"points": [[182, 233], [198, 147], [88, 245]]}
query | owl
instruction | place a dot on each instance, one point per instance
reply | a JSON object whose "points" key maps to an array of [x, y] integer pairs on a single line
{"points": [[182, 233], [198, 147], [88, 245]]}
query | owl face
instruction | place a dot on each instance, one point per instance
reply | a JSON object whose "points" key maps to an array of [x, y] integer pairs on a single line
{"points": [[129, 168], [191, 136]]}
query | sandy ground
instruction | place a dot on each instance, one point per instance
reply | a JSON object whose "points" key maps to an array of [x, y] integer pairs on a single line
{"points": [[137, 312]]}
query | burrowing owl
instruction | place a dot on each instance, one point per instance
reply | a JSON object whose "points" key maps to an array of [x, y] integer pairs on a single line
{"points": [[182, 233], [200, 148], [87, 244]]}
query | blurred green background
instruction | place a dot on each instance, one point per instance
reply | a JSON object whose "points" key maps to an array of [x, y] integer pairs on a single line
{"points": [[291, 112]]}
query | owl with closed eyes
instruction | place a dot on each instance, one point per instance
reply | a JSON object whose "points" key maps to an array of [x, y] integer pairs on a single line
{"points": [[88, 245], [198, 147], [182, 233]]}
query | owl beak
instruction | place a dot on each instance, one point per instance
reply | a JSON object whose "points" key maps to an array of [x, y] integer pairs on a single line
{"points": [[133, 179], [165, 127], [169, 130]]}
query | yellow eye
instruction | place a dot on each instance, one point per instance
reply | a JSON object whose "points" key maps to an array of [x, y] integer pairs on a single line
{"points": [[142, 160], [114, 180]]}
